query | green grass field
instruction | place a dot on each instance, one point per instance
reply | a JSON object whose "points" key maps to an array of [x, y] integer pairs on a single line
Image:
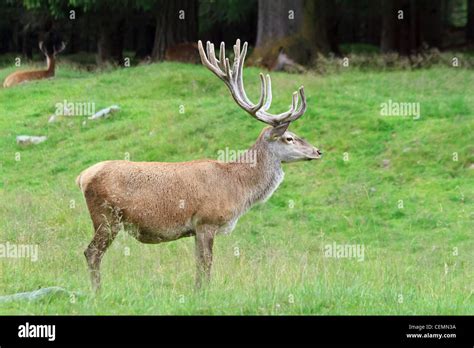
{"points": [[400, 193]]}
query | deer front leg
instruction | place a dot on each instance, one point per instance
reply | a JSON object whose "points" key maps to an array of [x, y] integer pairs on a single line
{"points": [[204, 242], [106, 227]]}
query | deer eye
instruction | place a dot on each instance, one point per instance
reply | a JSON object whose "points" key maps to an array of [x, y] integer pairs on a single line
{"points": [[289, 139]]}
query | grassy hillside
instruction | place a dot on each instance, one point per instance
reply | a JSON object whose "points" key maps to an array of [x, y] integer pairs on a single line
{"points": [[418, 259]]}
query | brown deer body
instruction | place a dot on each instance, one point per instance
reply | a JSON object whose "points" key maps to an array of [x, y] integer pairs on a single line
{"points": [[25, 76], [186, 52], [159, 202]]}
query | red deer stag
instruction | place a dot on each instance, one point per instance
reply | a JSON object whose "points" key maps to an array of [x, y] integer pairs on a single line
{"points": [[160, 202], [24, 76]]}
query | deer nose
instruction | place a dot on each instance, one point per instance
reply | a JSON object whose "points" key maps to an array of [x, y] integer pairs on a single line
{"points": [[319, 152]]}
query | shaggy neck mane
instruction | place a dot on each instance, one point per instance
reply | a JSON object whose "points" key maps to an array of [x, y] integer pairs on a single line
{"points": [[261, 178]]}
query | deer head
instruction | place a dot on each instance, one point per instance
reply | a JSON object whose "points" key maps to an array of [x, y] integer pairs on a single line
{"points": [[283, 144], [52, 50]]}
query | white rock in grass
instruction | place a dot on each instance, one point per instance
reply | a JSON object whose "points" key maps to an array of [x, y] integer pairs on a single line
{"points": [[104, 113], [53, 118], [30, 139], [64, 112], [40, 294]]}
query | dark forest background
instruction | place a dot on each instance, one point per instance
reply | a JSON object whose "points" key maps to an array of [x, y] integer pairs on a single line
{"points": [[156, 30]]}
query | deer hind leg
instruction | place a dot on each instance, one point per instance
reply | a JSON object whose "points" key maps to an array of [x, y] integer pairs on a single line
{"points": [[106, 225], [204, 242]]}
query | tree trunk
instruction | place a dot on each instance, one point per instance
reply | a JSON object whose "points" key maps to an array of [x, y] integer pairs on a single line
{"points": [[15, 38], [300, 29], [404, 35], [389, 18], [277, 19], [315, 25], [413, 32], [176, 22], [110, 41], [432, 22], [144, 31], [470, 21], [374, 23], [104, 50], [27, 44]]}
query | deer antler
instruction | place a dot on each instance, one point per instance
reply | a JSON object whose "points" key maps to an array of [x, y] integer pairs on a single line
{"points": [[60, 48], [233, 78]]}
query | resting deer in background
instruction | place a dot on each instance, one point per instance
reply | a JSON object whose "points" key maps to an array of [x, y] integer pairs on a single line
{"points": [[24, 76], [160, 202]]}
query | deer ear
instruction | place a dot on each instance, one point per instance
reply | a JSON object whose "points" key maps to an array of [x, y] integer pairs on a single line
{"points": [[279, 130]]}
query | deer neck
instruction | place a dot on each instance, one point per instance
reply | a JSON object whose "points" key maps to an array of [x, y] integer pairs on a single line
{"points": [[50, 66], [262, 176]]}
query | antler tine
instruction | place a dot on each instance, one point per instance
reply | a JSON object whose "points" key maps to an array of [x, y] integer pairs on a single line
{"points": [[237, 50], [235, 65], [203, 56], [228, 70], [268, 102], [294, 102], [293, 113], [263, 95], [239, 73], [302, 107], [61, 48], [212, 56], [201, 53], [284, 116], [205, 61], [222, 55], [208, 50]]}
